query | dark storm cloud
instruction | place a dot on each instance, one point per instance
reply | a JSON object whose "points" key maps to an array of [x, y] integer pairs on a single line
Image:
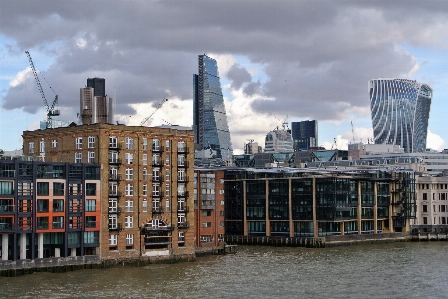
{"points": [[239, 75], [318, 55]]}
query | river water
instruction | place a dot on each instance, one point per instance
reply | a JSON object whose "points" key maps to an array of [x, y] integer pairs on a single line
{"points": [[397, 270]]}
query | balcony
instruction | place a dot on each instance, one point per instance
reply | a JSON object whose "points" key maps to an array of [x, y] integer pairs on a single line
{"points": [[115, 177], [158, 194], [157, 163], [116, 227], [182, 194], [183, 225], [182, 209], [113, 193], [207, 207], [148, 229], [182, 149], [158, 179], [115, 146], [183, 165], [7, 209], [6, 226], [157, 149], [116, 161], [183, 179], [157, 210], [114, 210]]}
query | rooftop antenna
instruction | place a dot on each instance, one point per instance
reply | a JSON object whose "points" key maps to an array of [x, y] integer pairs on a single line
{"points": [[353, 132]]}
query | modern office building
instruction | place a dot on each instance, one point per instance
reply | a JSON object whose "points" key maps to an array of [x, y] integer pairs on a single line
{"points": [[98, 85], [318, 203], [400, 112], [48, 209], [95, 109], [209, 207], [209, 114], [278, 140], [146, 180], [304, 134]]}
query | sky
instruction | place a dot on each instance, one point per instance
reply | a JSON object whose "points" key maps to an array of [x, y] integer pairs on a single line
{"points": [[278, 61]]}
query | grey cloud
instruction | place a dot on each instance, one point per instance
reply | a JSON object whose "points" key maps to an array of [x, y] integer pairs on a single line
{"points": [[239, 75]]}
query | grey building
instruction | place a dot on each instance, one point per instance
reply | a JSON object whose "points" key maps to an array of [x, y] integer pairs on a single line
{"points": [[209, 114], [304, 134], [99, 86]]}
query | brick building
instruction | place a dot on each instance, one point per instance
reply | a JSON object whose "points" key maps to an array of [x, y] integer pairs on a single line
{"points": [[209, 207], [145, 177], [48, 209]]}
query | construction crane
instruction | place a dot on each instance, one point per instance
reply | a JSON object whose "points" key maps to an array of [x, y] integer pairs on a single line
{"points": [[51, 110], [157, 108]]}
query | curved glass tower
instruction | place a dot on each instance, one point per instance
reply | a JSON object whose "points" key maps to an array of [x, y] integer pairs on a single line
{"points": [[400, 112], [209, 114]]}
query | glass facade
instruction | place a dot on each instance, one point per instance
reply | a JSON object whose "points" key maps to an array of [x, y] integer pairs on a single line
{"points": [[400, 112], [304, 134], [209, 114]]}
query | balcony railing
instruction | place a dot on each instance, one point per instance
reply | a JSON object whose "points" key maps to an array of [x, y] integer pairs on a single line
{"points": [[157, 149], [182, 194], [7, 209], [114, 193], [182, 165], [115, 161], [115, 177], [157, 178], [114, 210], [157, 163], [182, 149], [58, 225], [159, 194], [90, 224], [183, 179], [115, 146], [6, 226], [115, 227], [183, 225], [149, 228], [157, 210], [182, 209]]}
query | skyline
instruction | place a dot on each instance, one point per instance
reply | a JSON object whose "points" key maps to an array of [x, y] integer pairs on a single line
{"points": [[298, 61]]}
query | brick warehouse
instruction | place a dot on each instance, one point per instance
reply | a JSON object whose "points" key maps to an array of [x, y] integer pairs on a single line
{"points": [[146, 177]]}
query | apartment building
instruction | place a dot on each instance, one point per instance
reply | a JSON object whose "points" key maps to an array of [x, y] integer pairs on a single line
{"points": [[48, 209], [209, 207], [146, 179]]}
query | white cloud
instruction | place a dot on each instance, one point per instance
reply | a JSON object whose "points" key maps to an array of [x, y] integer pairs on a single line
{"points": [[20, 77], [435, 142]]}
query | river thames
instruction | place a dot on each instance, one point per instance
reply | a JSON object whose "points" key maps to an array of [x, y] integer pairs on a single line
{"points": [[397, 270]]}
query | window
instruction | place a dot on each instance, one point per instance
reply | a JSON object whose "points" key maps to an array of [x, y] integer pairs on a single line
{"points": [[58, 205], [206, 213], [181, 175], [31, 147], [425, 220], [42, 205], [167, 189], [155, 204], [129, 158], [58, 189], [425, 209], [145, 189], [156, 159], [156, 145], [145, 159], [181, 238], [113, 205], [90, 205], [42, 188], [129, 190], [113, 142], [206, 238], [58, 222], [181, 146], [6, 188], [145, 174], [78, 142], [221, 213], [167, 205], [78, 157], [129, 239], [425, 195], [167, 145], [145, 206], [113, 222], [167, 175], [156, 174], [155, 189], [222, 202], [221, 191], [128, 222], [113, 189], [89, 238], [91, 158], [54, 143], [167, 160], [145, 144], [113, 240], [90, 189], [90, 221], [129, 206], [206, 224], [129, 174], [91, 141], [42, 222], [129, 143], [181, 160], [221, 223]]}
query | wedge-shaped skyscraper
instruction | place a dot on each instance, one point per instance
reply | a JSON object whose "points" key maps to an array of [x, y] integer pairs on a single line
{"points": [[209, 114], [400, 112]]}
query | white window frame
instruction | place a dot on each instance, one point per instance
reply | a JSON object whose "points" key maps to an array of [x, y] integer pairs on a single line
{"points": [[113, 240], [129, 239], [113, 142], [129, 190], [129, 222], [113, 221], [145, 159], [113, 205], [145, 144], [129, 208], [167, 205], [129, 143], [145, 174], [167, 190], [91, 142], [78, 142], [31, 147], [54, 143], [180, 174], [91, 157], [167, 145], [129, 158], [181, 146], [78, 157], [167, 175], [129, 174], [155, 189], [180, 160], [156, 145], [145, 206], [145, 189], [156, 174]]}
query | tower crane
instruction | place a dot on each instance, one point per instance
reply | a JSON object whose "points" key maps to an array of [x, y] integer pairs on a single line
{"points": [[157, 108], [51, 110]]}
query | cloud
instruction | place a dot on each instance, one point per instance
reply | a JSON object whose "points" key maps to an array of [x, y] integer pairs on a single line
{"points": [[239, 75], [435, 142]]}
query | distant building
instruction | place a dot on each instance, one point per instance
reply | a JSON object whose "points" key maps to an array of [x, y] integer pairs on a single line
{"points": [[400, 112], [278, 141], [95, 109], [48, 209], [304, 134], [98, 85], [252, 148], [211, 130], [357, 150], [146, 182]]}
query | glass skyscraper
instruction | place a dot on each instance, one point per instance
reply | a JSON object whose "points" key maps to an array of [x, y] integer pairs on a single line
{"points": [[400, 112], [209, 114], [304, 134]]}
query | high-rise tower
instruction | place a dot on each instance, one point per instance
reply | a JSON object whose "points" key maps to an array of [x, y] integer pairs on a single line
{"points": [[304, 134], [95, 105], [99, 86], [209, 114], [400, 112]]}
